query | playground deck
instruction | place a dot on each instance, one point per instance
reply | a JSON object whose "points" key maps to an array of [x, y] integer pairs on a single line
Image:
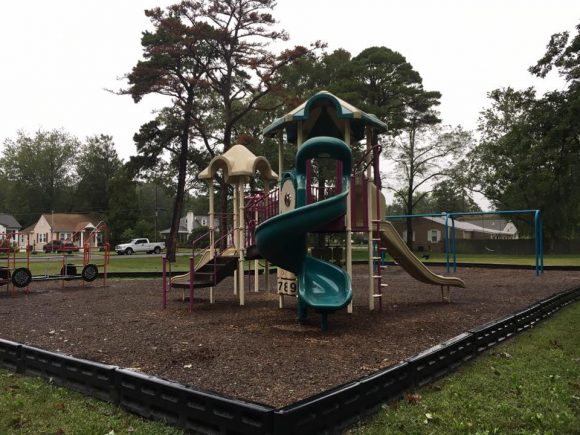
{"points": [[258, 352]]}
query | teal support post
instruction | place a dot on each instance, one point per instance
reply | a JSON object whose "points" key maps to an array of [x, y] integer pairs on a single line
{"points": [[541, 245], [447, 241], [454, 246], [539, 242]]}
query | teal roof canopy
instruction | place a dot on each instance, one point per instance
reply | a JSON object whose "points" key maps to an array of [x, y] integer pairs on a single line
{"points": [[320, 115]]}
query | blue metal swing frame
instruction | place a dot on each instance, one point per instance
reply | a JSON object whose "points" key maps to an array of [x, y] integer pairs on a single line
{"points": [[538, 232]]}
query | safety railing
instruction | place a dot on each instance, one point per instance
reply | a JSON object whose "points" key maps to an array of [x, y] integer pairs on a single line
{"points": [[259, 208]]}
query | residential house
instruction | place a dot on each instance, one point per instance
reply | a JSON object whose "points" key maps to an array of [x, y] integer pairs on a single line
{"points": [[9, 227], [187, 224], [9, 223], [429, 232], [25, 237], [80, 229]]}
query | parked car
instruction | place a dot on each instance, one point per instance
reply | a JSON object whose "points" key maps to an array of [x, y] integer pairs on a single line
{"points": [[140, 245], [60, 246]]}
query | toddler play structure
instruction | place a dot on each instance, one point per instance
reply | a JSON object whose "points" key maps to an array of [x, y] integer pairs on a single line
{"points": [[16, 269], [309, 212]]}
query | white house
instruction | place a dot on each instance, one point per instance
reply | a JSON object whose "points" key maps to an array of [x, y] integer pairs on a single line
{"points": [[188, 223], [9, 227]]}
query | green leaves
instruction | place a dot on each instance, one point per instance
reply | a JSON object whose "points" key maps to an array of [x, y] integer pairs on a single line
{"points": [[40, 171]]}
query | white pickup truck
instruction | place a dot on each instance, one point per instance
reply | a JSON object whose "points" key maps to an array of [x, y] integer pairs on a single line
{"points": [[139, 245]]}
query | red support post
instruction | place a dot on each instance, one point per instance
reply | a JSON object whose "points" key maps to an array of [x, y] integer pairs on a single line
{"points": [[338, 177], [365, 195]]}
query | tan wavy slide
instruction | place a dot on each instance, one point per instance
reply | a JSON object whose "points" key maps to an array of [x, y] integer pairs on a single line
{"points": [[401, 253]]}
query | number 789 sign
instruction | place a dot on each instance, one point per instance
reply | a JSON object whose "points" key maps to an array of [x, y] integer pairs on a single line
{"points": [[287, 286]]}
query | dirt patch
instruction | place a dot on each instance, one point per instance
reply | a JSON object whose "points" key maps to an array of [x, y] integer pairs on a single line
{"points": [[258, 352]]}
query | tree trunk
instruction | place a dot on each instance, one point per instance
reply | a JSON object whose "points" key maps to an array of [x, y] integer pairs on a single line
{"points": [[410, 233], [178, 204], [410, 186], [409, 220]]}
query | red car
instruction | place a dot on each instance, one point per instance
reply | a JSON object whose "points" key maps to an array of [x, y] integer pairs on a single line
{"points": [[60, 246]]}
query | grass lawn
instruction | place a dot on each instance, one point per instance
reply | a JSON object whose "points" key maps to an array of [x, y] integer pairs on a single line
{"points": [[46, 265], [360, 253], [50, 265], [33, 406], [529, 385]]}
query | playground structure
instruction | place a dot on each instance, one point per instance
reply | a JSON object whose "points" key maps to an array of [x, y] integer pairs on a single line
{"points": [[274, 224], [17, 270]]}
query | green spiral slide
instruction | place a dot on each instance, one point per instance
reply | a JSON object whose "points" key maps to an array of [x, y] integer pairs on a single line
{"points": [[282, 239]]}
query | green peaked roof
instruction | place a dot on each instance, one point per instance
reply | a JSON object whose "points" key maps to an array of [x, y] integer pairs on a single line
{"points": [[320, 114]]}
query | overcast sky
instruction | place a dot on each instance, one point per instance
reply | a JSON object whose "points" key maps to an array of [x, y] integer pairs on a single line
{"points": [[59, 56]]}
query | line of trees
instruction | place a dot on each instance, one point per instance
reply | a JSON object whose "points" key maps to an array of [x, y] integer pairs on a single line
{"points": [[213, 61], [528, 156], [55, 171]]}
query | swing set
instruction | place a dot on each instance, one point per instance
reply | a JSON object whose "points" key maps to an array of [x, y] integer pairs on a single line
{"points": [[450, 233]]}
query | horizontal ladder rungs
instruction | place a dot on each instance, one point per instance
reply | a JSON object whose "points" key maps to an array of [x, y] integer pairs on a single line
{"points": [[375, 240], [384, 285], [376, 258], [376, 295], [377, 276]]}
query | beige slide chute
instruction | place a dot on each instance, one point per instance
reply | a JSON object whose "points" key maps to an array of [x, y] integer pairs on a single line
{"points": [[401, 253]]}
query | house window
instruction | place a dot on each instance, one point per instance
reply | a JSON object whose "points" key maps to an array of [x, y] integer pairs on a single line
{"points": [[405, 235], [42, 237], [204, 222], [434, 236], [64, 236]]}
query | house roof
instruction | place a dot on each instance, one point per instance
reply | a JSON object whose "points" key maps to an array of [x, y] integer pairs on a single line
{"points": [[70, 221], [8, 221], [28, 230], [468, 226], [182, 227], [494, 224]]}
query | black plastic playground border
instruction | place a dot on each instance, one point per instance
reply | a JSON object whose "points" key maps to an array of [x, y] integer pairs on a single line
{"points": [[207, 412]]}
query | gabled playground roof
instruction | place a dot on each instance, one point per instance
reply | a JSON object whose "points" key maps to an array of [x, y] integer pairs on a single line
{"points": [[312, 112], [236, 162]]}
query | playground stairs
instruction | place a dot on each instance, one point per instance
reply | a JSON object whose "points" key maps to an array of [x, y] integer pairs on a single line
{"points": [[211, 273]]}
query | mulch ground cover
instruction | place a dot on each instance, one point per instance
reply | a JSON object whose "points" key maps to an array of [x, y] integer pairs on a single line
{"points": [[259, 352]]}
